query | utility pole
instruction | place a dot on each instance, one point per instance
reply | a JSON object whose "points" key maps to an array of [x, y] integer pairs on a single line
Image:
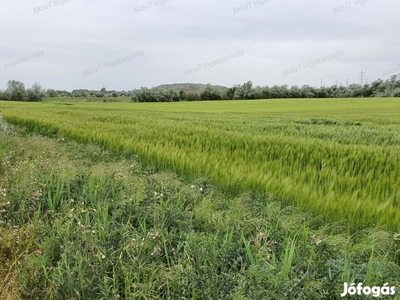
{"points": [[347, 82], [362, 76]]}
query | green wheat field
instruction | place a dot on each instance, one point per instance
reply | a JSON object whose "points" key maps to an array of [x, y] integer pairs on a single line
{"points": [[260, 199]]}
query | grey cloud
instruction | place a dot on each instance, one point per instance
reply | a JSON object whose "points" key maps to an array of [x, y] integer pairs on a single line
{"points": [[177, 35]]}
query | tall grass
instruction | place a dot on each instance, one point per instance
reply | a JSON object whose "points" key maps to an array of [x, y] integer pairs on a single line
{"points": [[78, 222], [337, 158]]}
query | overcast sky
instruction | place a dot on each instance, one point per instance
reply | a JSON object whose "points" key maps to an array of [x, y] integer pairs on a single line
{"points": [[125, 44]]}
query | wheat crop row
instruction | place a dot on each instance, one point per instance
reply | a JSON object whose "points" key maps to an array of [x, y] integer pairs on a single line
{"points": [[337, 158]]}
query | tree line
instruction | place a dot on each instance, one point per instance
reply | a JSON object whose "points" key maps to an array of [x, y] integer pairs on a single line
{"points": [[16, 92], [379, 88]]}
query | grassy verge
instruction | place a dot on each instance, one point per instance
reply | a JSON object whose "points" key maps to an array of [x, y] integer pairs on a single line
{"points": [[78, 222]]}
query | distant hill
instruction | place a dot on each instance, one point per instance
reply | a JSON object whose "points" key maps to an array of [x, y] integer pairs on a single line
{"points": [[189, 87]]}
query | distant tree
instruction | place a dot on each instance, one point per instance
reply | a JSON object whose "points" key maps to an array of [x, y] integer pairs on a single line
{"points": [[308, 91], [266, 93], [378, 87], [340, 92], [257, 92], [284, 91], [35, 93], [396, 92], [51, 93], [245, 91], [182, 95], [367, 91], [157, 95], [64, 94], [142, 95], [321, 92], [210, 93], [331, 91], [192, 96], [354, 90], [231, 92], [5, 95], [295, 92], [114, 94], [16, 90], [173, 96], [279, 91]]}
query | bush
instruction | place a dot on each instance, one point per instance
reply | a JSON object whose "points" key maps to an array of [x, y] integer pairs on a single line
{"points": [[16, 89], [5, 95], [16, 92], [210, 94], [35, 93]]}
